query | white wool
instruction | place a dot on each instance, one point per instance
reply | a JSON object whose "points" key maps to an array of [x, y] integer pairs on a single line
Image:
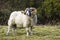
{"points": [[22, 20], [13, 15]]}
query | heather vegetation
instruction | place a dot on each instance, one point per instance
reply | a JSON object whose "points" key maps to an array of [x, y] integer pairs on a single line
{"points": [[48, 11]]}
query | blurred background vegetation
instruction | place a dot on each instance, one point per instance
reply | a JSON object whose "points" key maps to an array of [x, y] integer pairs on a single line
{"points": [[48, 10]]}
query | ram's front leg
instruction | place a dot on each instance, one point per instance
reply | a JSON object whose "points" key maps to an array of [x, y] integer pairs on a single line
{"points": [[30, 30]]}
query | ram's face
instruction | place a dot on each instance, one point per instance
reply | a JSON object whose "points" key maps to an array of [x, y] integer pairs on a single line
{"points": [[30, 12]]}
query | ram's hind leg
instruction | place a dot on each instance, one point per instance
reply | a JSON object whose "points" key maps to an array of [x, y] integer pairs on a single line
{"points": [[13, 29], [8, 30]]}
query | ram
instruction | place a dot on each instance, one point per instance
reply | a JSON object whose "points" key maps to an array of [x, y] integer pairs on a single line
{"points": [[21, 19]]}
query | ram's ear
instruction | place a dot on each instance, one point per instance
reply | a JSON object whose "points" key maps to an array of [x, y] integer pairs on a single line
{"points": [[26, 9], [23, 12]]}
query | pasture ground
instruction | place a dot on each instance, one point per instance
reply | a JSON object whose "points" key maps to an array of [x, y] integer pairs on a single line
{"points": [[42, 32]]}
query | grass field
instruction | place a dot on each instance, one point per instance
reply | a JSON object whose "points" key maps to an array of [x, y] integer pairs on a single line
{"points": [[42, 32]]}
